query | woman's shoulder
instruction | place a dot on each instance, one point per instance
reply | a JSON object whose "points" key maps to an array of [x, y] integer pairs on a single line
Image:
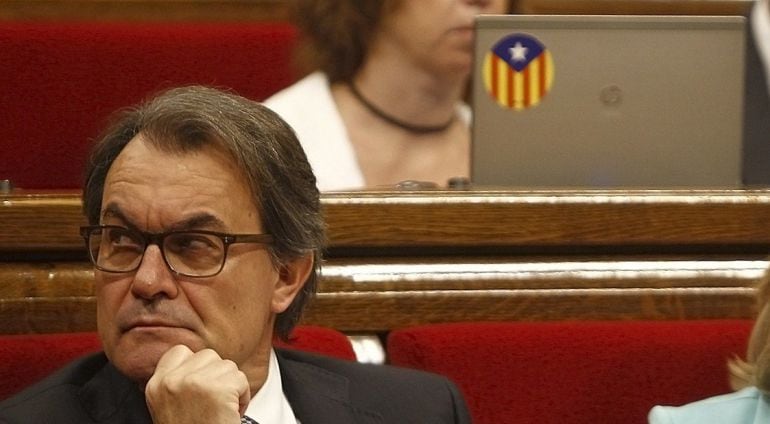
{"points": [[309, 87], [746, 406]]}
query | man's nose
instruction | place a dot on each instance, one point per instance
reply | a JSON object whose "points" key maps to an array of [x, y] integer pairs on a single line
{"points": [[153, 278]]}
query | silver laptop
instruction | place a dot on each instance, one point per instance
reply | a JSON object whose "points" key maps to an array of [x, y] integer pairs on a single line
{"points": [[607, 101]]}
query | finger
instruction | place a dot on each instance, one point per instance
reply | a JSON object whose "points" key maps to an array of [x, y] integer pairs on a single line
{"points": [[204, 368], [196, 387], [224, 374], [199, 361], [245, 395], [172, 359], [221, 373]]}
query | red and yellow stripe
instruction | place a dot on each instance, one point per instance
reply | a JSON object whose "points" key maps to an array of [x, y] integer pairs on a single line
{"points": [[518, 90]]}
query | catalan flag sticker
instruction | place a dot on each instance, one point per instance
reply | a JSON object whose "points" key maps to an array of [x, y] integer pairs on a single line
{"points": [[518, 71]]}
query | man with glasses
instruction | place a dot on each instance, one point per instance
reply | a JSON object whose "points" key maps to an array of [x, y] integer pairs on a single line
{"points": [[205, 231]]}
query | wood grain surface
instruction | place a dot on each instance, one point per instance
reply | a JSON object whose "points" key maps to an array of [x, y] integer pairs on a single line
{"points": [[406, 258], [574, 220], [277, 10]]}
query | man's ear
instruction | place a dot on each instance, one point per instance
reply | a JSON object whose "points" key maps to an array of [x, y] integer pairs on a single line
{"points": [[291, 279]]}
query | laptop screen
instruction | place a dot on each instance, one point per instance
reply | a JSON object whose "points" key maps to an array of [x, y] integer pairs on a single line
{"points": [[607, 101]]}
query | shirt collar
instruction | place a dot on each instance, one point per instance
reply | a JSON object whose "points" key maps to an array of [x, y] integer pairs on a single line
{"points": [[269, 405]]}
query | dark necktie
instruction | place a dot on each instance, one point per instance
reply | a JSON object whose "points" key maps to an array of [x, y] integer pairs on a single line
{"points": [[247, 420]]}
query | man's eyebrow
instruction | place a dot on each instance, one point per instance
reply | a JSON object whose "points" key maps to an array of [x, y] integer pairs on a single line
{"points": [[198, 221], [112, 210]]}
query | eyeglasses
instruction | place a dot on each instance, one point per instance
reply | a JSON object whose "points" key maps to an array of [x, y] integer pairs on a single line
{"points": [[113, 248]]}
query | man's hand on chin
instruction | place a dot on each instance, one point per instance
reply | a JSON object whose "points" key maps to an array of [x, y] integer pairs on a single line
{"points": [[196, 387]]}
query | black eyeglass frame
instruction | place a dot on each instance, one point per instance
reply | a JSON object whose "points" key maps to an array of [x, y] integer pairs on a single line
{"points": [[158, 238]]}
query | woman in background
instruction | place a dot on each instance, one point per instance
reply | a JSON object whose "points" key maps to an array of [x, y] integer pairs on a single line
{"points": [[385, 103]]}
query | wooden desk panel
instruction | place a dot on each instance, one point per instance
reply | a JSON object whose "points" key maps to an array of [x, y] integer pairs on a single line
{"points": [[31, 222], [382, 294], [241, 10], [572, 220], [406, 258]]}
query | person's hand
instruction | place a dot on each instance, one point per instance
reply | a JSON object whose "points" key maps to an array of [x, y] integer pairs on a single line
{"points": [[198, 387]]}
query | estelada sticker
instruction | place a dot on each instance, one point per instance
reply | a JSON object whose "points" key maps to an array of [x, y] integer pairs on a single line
{"points": [[518, 71]]}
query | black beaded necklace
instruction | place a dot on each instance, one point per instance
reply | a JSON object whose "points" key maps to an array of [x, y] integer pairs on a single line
{"points": [[413, 128]]}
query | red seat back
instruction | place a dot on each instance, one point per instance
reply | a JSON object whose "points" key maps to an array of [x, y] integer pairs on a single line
{"points": [[60, 81], [323, 340], [575, 372], [25, 359]]}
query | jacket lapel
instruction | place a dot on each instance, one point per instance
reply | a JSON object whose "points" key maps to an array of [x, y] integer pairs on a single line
{"points": [[111, 398], [317, 395]]}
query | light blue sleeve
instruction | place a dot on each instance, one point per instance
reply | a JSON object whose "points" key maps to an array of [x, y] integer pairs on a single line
{"points": [[747, 406], [660, 415]]}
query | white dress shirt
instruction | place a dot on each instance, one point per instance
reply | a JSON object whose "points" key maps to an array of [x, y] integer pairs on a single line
{"points": [[269, 405]]}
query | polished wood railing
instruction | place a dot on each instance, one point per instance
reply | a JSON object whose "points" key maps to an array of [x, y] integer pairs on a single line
{"points": [[416, 257], [277, 10]]}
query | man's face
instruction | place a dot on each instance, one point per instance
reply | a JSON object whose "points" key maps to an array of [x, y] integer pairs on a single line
{"points": [[142, 314]]}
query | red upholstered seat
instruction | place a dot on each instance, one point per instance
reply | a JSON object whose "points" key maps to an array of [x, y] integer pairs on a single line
{"points": [[575, 372], [323, 340], [25, 359], [60, 81]]}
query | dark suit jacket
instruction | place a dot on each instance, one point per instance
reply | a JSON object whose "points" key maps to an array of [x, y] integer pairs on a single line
{"points": [[320, 390], [756, 117]]}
